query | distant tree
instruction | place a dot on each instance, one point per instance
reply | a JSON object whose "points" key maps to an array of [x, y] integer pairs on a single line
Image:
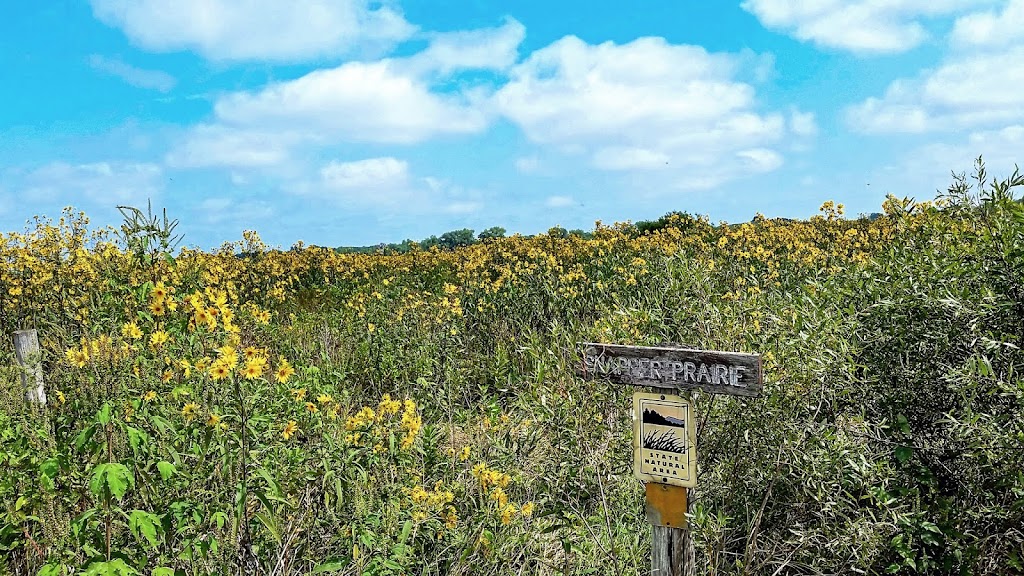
{"points": [[558, 232], [492, 233], [457, 238]]}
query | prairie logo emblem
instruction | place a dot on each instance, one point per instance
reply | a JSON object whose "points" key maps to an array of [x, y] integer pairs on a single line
{"points": [[664, 440]]}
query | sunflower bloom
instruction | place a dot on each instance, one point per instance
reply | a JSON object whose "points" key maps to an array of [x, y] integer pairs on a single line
{"points": [[252, 370], [290, 429], [284, 371], [188, 411]]}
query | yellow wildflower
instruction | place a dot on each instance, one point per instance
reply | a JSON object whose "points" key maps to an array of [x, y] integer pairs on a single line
{"points": [[131, 330], [189, 411], [284, 372]]}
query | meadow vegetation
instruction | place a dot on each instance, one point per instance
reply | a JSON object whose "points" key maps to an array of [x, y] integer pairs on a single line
{"points": [[257, 411]]}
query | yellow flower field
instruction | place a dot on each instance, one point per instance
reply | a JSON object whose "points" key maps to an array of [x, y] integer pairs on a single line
{"points": [[308, 411]]}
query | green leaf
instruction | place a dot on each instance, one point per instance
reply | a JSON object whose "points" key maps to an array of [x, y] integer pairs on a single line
{"points": [[903, 453], [113, 477], [166, 469], [115, 567], [103, 416], [331, 565], [903, 424], [136, 438], [144, 525], [51, 570], [219, 518], [84, 437], [163, 571]]}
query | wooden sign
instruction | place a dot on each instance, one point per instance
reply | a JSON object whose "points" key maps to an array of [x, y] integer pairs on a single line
{"points": [[732, 373], [664, 440]]}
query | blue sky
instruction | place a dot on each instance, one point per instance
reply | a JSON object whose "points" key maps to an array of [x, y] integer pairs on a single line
{"points": [[344, 122]]}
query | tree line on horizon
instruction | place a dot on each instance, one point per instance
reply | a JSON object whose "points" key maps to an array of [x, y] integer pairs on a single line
{"points": [[466, 236]]}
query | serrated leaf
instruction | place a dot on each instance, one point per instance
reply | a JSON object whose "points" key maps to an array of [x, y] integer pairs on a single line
{"points": [[166, 469], [144, 525], [84, 437], [136, 438], [113, 477]]}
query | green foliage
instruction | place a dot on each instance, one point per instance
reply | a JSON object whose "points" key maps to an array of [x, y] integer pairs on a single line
{"points": [[887, 439]]}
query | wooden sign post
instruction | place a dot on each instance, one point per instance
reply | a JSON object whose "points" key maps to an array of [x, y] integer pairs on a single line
{"points": [[664, 437], [27, 353]]}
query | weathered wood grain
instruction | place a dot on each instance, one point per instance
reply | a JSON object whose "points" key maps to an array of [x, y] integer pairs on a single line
{"points": [[733, 373], [27, 352]]}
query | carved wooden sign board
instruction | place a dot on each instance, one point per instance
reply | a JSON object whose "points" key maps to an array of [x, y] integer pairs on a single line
{"points": [[732, 373]]}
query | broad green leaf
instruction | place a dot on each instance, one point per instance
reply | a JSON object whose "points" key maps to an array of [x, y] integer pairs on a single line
{"points": [[115, 567], [332, 565], [162, 571], [166, 469], [136, 438], [144, 525], [116, 478], [51, 570], [84, 437], [903, 453], [103, 416]]}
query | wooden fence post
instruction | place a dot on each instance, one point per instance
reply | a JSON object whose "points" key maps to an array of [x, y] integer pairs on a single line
{"points": [[27, 352]]}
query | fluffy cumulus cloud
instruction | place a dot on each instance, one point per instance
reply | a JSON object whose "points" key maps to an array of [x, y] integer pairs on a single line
{"points": [[865, 26], [280, 30], [646, 106], [385, 183], [354, 102], [480, 49], [975, 87], [100, 183], [388, 101], [991, 27]]}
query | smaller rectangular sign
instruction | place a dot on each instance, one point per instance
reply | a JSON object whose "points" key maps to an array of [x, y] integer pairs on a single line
{"points": [[664, 440]]}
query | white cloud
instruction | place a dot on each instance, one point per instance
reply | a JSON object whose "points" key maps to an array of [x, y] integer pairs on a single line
{"points": [[366, 176], [355, 102], [282, 30], [559, 201], [972, 91], [385, 186], [923, 170], [104, 183], [209, 145], [865, 26], [991, 28], [138, 77], [760, 159], [640, 105], [620, 158], [480, 49], [803, 123]]}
